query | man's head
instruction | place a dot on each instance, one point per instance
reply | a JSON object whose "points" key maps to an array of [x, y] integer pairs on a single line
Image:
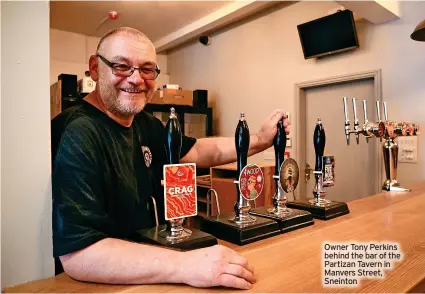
{"points": [[123, 90]]}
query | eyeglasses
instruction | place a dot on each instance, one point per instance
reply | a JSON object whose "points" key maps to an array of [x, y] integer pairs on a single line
{"points": [[124, 70]]}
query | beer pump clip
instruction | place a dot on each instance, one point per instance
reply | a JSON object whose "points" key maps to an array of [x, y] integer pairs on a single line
{"points": [[180, 198], [387, 130]]}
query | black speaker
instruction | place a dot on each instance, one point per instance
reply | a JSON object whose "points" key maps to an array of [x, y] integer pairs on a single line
{"points": [[69, 86], [200, 98]]}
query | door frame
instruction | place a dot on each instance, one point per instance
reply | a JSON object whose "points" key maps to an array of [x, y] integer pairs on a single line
{"points": [[300, 104]]}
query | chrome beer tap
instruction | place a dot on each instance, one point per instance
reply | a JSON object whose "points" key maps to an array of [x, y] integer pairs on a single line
{"points": [[387, 130], [347, 122], [368, 130], [356, 121]]}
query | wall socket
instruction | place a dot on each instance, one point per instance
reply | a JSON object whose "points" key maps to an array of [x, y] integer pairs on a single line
{"points": [[408, 149]]}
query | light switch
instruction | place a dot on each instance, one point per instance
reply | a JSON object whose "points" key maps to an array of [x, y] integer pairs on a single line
{"points": [[408, 149]]}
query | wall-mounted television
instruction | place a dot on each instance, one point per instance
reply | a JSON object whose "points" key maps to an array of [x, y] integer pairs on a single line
{"points": [[328, 35]]}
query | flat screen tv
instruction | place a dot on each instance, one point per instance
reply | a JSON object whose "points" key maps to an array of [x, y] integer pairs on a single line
{"points": [[328, 35]]}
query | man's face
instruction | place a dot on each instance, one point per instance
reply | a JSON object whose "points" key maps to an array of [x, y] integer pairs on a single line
{"points": [[126, 95]]}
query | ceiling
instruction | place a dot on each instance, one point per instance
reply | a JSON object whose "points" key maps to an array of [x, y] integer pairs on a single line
{"points": [[156, 19], [169, 24]]}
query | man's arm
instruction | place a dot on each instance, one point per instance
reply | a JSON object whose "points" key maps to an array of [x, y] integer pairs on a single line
{"points": [[215, 151], [115, 261]]}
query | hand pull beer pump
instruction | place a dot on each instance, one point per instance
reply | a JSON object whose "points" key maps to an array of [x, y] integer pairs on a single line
{"points": [[241, 227], [173, 234], [286, 177]]}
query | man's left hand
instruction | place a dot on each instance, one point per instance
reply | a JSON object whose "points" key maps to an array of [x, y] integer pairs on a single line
{"points": [[269, 128]]}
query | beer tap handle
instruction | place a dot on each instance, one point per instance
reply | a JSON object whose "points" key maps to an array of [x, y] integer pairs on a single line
{"points": [[345, 109], [356, 121], [173, 138], [279, 144], [378, 111], [347, 122], [365, 112], [385, 110]]}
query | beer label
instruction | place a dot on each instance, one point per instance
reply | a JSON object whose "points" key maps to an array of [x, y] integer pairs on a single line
{"points": [[328, 171], [289, 175], [251, 182], [180, 197]]}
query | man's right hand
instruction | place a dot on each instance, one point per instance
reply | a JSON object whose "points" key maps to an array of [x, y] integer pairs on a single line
{"points": [[216, 266]]}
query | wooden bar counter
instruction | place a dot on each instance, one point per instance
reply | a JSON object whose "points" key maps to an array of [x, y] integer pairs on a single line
{"points": [[292, 262]]}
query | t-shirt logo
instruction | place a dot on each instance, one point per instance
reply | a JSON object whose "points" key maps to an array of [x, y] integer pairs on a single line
{"points": [[147, 155]]}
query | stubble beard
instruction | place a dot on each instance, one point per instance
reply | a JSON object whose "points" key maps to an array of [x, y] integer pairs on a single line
{"points": [[110, 98]]}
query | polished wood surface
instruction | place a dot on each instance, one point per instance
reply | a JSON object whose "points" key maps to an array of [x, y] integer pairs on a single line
{"points": [[292, 262]]}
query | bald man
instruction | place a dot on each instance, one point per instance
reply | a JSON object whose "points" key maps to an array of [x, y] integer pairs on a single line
{"points": [[101, 182]]}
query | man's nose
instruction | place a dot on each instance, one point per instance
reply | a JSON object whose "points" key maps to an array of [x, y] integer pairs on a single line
{"points": [[136, 78]]}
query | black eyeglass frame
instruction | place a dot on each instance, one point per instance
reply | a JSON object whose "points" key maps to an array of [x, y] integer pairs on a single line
{"points": [[113, 64]]}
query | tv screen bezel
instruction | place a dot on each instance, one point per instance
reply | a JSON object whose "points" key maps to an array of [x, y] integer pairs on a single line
{"points": [[334, 51]]}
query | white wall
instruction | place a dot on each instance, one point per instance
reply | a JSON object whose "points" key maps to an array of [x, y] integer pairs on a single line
{"points": [[70, 53], [253, 68], [26, 247], [0, 151]]}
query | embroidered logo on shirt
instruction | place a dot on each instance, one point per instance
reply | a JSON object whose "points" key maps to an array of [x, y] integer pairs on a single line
{"points": [[147, 155]]}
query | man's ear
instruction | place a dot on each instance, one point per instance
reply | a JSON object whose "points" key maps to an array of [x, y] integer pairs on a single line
{"points": [[94, 68]]}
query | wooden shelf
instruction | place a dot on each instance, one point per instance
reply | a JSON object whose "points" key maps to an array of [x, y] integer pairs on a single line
{"points": [[202, 199], [203, 181]]}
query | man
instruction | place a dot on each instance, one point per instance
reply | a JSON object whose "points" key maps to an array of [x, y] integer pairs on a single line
{"points": [[101, 184]]}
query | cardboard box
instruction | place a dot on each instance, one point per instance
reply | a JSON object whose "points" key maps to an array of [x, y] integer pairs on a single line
{"points": [[172, 96]]}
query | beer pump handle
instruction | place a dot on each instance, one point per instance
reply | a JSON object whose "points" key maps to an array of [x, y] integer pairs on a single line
{"points": [[241, 143], [173, 138], [319, 140], [279, 144]]}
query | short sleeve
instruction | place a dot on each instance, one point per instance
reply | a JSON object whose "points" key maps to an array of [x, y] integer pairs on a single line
{"points": [[187, 144], [79, 219]]}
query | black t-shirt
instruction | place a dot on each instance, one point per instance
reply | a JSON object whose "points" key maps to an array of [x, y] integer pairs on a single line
{"points": [[101, 182]]}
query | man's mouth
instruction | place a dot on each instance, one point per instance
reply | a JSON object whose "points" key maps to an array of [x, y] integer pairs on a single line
{"points": [[133, 91]]}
